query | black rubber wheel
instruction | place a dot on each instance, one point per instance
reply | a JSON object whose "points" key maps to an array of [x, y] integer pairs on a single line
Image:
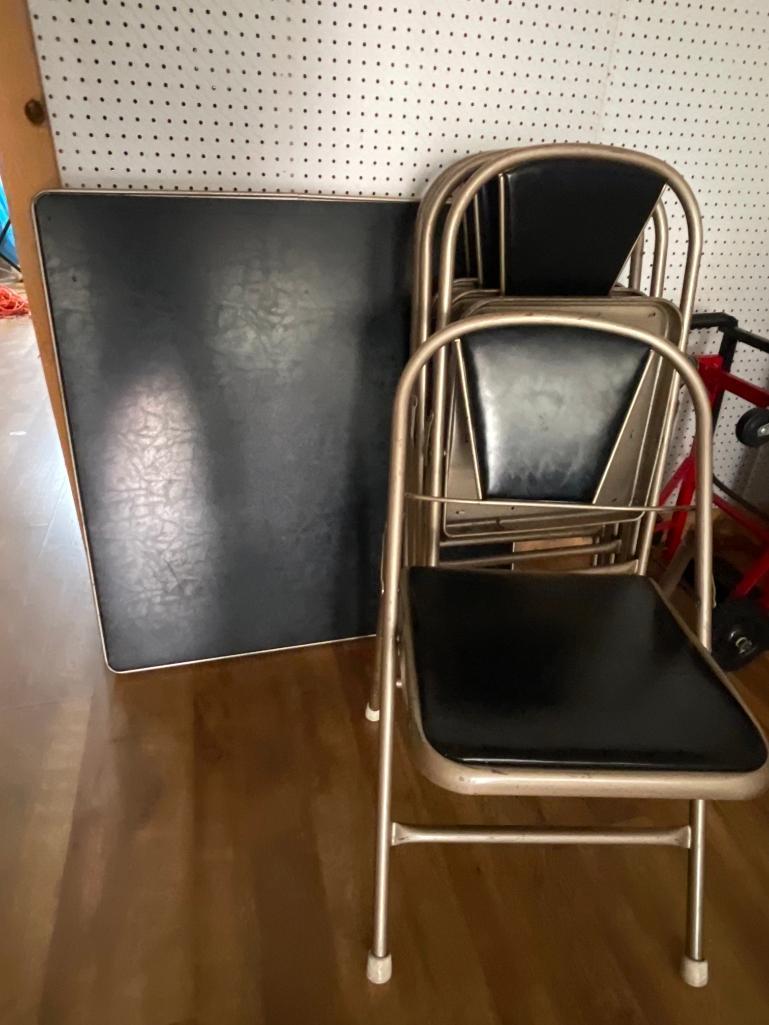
{"points": [[753, 427], [740, 632]]}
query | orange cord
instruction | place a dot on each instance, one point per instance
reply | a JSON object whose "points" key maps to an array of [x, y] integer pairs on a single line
{"points": [[12, 304]]}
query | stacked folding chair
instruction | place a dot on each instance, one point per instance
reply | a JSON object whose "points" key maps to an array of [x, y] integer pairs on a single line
{"points": [[532, 425], [549, 230]]}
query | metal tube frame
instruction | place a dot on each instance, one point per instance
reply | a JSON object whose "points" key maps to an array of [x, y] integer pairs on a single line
{"points": [[544, 782], [430, 209], [636, 263], [660, 258], [534, 555], [693, 959], [490, 168], [679, 836]]}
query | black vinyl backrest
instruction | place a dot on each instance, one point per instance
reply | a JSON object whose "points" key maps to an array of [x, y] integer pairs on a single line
{"points": [[488, 217], [546, 404], [571, 223]]}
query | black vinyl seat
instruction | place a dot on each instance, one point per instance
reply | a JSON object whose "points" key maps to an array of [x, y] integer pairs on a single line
{"points": [[568, 672]]}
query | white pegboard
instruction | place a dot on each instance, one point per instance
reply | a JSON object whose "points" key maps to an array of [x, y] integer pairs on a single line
{"points": [[320, 96], [688, 82], [363, 98]]}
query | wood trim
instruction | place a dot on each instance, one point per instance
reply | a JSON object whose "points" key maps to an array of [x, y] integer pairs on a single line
{"points": [[28, 165]]}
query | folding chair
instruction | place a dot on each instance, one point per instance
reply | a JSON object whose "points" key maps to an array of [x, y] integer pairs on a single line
{"points": [[583, 684], [568, 216], [490, 242], [448, 423]]}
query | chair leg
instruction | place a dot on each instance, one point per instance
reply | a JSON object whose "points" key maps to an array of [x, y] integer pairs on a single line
{"points": [[379, 967], [372, 706], [676, 568], [694, 967]]}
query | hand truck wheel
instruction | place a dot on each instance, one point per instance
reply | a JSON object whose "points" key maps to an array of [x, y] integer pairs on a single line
{"points": [[753, 427], [740, 632]]}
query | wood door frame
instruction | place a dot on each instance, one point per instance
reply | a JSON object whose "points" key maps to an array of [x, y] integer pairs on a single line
{"points": [[27, 166]]}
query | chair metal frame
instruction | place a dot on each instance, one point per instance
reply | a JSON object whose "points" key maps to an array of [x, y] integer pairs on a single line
{"points": [[483, 169], [395, 667], [458, 185], [455, 184]]}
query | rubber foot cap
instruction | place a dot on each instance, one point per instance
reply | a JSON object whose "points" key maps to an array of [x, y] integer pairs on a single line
{"points": [[694, 973], [372, 714], [379, 969]]}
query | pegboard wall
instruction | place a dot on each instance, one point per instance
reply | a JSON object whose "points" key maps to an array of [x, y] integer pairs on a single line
{"points": [[363, 98]]}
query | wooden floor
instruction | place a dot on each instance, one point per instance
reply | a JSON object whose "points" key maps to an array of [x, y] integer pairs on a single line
{"points": [[194, 846]]}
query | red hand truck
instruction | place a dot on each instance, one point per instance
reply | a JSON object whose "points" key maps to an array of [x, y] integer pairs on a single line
{"points": [[741, 615]]}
